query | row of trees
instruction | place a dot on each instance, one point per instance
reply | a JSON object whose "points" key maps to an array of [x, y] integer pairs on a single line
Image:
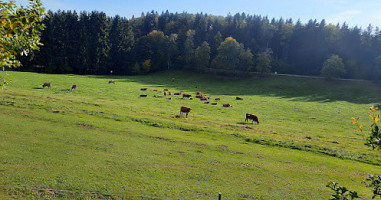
{"points": [[93, 43]]}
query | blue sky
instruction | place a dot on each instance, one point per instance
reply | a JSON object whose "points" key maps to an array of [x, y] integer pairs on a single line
{"points": [[354, 12]]}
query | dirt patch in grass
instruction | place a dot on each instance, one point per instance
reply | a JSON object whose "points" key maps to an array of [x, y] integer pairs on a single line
{"points": [[164, 139], [225, 148], [85, 125], [24, 112]]}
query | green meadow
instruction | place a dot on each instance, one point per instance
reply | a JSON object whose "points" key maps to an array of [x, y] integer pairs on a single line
{"points": [[105, 141]]}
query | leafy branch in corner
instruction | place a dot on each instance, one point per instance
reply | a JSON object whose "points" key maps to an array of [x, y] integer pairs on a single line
{"points": [[374, 139], [375, 182], [359, 126], [341, 193]]}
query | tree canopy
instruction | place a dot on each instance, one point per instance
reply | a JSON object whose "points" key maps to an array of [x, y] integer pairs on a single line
{"points": [[93, 43], [333, 67], [19, 31]]}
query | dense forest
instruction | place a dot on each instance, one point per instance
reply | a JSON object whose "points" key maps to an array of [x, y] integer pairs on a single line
{"points": [[93, 43]]}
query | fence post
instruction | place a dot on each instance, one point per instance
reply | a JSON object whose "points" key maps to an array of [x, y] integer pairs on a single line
{"points": [[219, 196]]}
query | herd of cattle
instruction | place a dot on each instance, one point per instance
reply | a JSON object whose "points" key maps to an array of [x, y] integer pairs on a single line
{"points": [[183, 109], [200, 96]]}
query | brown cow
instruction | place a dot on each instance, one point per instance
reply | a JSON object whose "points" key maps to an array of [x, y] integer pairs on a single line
{"points": [[165, 93], [217, 99], [252, 117], [198, 93], [111, 81], [74, 87], [165, 89], [46, 84], [204, 98], [238, 98], [143, 95], [177, 93], [206, 102], [214, 104], [227, 105], [155, 90], [186, 95], [185, 110], [143, 89]]}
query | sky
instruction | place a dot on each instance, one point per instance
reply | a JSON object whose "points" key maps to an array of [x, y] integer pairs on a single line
{"points": [[354, 12]]}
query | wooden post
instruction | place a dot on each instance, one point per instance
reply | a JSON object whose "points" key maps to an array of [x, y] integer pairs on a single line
{"points": [[219, 196]]}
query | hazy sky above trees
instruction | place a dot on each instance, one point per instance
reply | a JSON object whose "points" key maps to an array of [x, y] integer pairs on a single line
{"points": [[354, 12]]}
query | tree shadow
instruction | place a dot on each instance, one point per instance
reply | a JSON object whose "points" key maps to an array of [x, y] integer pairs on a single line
{"points": [[295, 88]]}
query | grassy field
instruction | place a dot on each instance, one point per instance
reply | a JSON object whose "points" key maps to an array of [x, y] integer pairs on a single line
{"points": [[104, 141]]}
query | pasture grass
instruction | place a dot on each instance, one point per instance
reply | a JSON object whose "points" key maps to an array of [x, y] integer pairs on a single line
{"points": [[104, 141]]}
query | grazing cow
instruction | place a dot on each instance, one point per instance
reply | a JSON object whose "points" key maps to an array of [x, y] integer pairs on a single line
{"points": [[198, 93], [177, 93], [46, 84], [143, 95], [214, 104], [143, 89], [206, 102], [185, 110], [74, 87], [111, 81], [252, 117], [238, 98], [165, 93], [217, 99], [203, 98], [186, 95], [227, 105]]}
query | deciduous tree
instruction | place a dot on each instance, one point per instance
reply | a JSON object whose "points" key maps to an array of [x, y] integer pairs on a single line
{"points": [[20, 30], [333, 67], [264, 62], [202, 57]]}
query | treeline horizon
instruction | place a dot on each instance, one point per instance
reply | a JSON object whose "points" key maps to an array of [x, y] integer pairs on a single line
{"points": [[94, 43]]}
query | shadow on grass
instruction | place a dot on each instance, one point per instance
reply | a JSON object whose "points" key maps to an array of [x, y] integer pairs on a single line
{"points": [[247, 123], [38, 88], [66, 90], [296, 88]]}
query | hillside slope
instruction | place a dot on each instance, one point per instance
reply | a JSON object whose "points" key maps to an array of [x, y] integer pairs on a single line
{"points": [[103, 140]]}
